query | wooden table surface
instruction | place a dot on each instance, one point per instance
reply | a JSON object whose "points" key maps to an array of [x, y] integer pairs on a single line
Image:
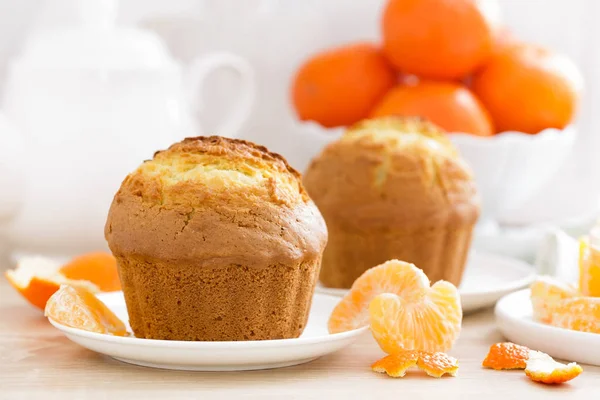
{"points": [[37, 361]]}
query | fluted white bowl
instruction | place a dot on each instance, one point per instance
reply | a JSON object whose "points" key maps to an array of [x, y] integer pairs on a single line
{"points": [[511, 167]]}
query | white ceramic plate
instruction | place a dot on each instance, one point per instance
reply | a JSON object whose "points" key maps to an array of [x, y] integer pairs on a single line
{"points": [[487, 278], [217, 356], [514, 317]]}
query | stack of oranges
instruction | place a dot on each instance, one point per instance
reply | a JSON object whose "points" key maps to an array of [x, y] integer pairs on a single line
{"points": [[447, 61]]}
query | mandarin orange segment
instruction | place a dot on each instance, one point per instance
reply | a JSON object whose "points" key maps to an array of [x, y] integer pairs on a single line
{"points": [[542, 368], [438, 364], [580, 314], [506, 356], [37, 278], [396, 365], [546, 294], [99, 268], [397, 277], [434, 364], [79, 308], [421, 318], [589, 269]]}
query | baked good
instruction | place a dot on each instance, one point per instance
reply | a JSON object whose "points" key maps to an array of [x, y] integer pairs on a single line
{"points": [[216, 239], [393, 188]]}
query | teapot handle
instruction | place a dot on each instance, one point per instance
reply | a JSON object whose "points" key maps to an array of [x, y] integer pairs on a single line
{"points": [[202, 67]]}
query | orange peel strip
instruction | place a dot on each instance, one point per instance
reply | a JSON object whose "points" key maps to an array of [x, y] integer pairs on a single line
{"points": [[542, 368], [37, 278], [434, 364], [506, 356], [438, 364], [396, 365]]}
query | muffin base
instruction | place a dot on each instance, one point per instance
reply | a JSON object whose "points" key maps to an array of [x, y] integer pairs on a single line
{"points": [[440, 252], [185, 301]]}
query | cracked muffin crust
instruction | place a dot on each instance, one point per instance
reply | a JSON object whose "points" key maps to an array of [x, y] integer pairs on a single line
{"points": [[393, 188], [216, 239]]}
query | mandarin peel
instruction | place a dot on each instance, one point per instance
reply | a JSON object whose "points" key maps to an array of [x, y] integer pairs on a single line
{"points": [[438, 364], [544, 369], [396, 365], [433, 364], [506, 356], [37, 278]]}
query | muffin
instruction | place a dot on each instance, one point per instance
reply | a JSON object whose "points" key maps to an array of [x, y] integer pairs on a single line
{"points": [[216, 239], [393, 188]]}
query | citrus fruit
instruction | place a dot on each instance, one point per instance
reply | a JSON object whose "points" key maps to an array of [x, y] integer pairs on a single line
{"points": [[79, 308], [527, 88], [405, 313], [396, 365], [542, 368], [437, 38], [589, 269], [340, 86], [449, 105], [434, 364], [99, 268], [503, 39], [506, 356], [579, 314], [437, 364], [546, 294], [37, 278]]}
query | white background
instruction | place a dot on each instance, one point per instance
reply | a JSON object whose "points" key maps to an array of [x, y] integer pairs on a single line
{"points": [[276, 35]]}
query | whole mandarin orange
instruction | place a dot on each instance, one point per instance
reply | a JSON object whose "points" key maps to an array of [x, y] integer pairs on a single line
{"points": [[340, 86], [437, 38], [449, 105], [527, 88]]}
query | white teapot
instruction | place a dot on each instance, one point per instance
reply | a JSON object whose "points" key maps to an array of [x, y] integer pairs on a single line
{"points": [[93, 101]]}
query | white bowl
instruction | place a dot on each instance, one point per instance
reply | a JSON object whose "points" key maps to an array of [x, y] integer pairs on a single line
{"points": [[511, 167]]}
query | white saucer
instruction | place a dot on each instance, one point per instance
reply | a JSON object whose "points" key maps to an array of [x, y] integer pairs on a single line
{"points": [[514, 317], [487, 278], [217, 356]]}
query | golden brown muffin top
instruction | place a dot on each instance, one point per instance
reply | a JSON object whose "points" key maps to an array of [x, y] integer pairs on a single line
{"points": [[392, 171], [203, 168], [216, 201]]}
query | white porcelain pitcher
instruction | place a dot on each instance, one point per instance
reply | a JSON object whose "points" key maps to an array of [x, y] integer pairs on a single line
{"points": [[92, 101]]}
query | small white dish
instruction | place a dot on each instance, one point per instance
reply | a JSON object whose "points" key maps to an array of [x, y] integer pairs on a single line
{"points": [[514, 317], [487, 278], [314, 342]]}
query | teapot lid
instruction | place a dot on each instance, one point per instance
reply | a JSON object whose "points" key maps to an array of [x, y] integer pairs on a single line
{"points": [[92, 40]]}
